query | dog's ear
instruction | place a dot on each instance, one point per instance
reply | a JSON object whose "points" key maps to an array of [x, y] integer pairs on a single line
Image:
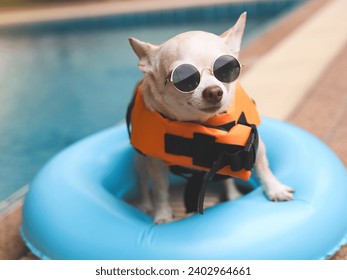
{"points": [[146, 53], [233, 36]]}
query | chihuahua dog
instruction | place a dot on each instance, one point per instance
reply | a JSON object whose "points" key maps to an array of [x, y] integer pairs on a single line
{"points": [[208, 99]]}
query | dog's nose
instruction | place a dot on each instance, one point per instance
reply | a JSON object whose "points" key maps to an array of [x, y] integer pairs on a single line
{"points": [[212, 94]]}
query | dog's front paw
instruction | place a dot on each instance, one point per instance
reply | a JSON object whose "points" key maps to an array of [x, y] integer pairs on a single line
{"points": [[163, 216], [276, 191]]}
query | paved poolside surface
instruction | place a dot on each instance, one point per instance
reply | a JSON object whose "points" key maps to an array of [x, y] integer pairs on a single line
{"points": [[311, 42]]}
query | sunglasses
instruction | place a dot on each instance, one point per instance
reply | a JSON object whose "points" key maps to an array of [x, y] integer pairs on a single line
{"points": [[186, 77]]}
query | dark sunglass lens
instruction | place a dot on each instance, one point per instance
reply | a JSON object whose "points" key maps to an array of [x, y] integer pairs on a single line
{"points": [[226, 68], [186, 78]]}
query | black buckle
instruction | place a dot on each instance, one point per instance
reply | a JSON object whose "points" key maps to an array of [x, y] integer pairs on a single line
{"points": [[246, 158], [251, 149]]}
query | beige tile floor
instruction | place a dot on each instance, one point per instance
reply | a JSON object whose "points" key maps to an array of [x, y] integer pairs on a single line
{"points": [[319, 104], [324, 112]]}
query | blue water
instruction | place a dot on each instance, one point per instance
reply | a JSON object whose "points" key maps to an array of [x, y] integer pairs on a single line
{"points": [[60, 82]]}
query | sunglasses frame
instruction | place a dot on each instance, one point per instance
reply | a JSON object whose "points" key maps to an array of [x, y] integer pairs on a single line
{"points": [[169, 77]]}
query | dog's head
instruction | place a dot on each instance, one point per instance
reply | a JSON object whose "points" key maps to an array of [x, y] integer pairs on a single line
{"points": [[180, 76]]}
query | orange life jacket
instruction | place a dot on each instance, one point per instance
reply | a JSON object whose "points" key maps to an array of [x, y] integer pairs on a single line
{"points": [[225, 144]]}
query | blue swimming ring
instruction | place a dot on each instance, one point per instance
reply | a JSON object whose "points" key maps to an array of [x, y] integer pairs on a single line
{"points": [[75, 207]]}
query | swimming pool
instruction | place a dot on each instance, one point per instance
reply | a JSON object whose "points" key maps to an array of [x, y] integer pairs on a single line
{"points": [[61, 81]]}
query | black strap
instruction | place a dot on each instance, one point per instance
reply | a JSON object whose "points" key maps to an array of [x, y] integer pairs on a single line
{"points": [[193, 191], [215, 156], [222, 161], [129, 113], [204, 151]]}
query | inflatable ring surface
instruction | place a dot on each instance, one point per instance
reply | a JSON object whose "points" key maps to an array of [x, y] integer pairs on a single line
{"points": [[76, 209]]}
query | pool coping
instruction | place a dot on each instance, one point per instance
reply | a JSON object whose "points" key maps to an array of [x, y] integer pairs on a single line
{"points": [[89, 10], [302, 51], [13, 201]]}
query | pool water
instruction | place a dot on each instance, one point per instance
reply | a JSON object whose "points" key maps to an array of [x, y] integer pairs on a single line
{"points": [[62, 81]]}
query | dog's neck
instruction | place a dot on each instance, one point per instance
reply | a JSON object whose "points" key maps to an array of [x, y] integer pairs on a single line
{"points": [[154, 102]]}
